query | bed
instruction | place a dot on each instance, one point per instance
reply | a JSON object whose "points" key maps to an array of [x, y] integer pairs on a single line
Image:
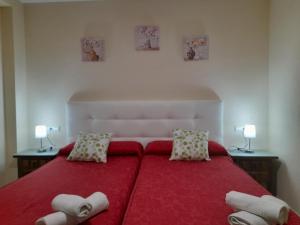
{"points": [[187, 192], [27, 199], [154, 191], [168, 192]]}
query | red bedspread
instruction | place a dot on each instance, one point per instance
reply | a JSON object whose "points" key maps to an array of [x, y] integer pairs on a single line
{"points": [[27, 199], [187, 193]]}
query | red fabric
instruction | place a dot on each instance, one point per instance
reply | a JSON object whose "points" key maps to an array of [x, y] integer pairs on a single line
{"points": [[125, 148], [165, 148], [66, 149], [27, 199], [159, 148], [214, 148], [187, 192], [114, 148]]}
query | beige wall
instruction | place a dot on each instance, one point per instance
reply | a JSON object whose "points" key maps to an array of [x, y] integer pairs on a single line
{"points": [[2, 136], [8, 92], [14, 87], [3, 3], [20, 75], [237, 69], [284, 96]]}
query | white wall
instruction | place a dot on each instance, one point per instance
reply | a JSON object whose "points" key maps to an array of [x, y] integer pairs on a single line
{"points": [[237, 69], [284, 96]]}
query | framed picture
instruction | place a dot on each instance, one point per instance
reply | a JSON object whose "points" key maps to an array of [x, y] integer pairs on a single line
{"points": [[92, 49], [147, 37], [195, 48]]}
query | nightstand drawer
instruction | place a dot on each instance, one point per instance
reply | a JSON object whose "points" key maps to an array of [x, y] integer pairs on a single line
{"points": [[259, 165], [260, 170], [27, 165], [253, 165], [31, 160]]}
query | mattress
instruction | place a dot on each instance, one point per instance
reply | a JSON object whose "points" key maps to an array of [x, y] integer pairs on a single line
{"points": [[27, 199], [187, 192]]}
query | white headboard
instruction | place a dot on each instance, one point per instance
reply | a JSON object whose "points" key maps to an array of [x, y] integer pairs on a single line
{"points": [[144, 120]]}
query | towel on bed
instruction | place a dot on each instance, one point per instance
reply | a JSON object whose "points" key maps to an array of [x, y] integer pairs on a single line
{"points": [[269, 210], [98, 202], [57, 218], [72, 205], [279, 202], [245, 218]]}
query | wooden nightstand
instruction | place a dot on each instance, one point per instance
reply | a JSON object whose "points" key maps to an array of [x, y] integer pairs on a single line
{"points": [[29, 160], [261, 165]]}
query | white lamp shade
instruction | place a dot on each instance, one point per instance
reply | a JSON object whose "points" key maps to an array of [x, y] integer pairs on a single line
{"points": [[40, 131], [249, 131]]}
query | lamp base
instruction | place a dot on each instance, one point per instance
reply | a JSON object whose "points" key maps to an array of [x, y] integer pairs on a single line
{"points": [[42, 150], [248, 150]]}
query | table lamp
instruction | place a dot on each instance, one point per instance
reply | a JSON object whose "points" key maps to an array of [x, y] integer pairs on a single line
{"points": [[249, 133], [41, 132]]}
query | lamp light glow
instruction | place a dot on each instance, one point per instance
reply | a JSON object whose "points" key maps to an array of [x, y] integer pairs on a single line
{"points": [[249, 132], [41, 132]]}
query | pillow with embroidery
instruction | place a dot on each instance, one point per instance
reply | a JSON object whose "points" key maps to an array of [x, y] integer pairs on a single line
{"points": [[189, 145], [91, 147]]}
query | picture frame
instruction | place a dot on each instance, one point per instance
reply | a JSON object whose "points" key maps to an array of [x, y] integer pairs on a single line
{"points": [[147, 37], [195, 48], [92, 49]]}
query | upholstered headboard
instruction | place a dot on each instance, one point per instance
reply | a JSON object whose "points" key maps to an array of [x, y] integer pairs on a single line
{"points": [[144, 120]]}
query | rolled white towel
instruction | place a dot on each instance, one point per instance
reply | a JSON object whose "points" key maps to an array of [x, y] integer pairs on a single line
{"points": [[72, 205], [270, 211], [98, 201], [245, 218], [57, 218], [279, 202]]}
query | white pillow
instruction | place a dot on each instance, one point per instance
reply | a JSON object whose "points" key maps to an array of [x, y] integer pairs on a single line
{"points": [[91, 147], [190, 145]]}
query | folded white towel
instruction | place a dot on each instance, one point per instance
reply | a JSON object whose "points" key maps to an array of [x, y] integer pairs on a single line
{"points": [[270, 211], [279, 202], [98, 202], [72, 205], [57, 218], [245, 218]]}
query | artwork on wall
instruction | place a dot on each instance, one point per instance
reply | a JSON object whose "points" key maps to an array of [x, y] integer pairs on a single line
{"points": [[195, 48], [147, 37], [92, 49]]}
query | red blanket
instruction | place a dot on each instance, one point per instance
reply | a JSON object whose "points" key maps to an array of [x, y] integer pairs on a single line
{"points": [[27, 199], [187, 192]]}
